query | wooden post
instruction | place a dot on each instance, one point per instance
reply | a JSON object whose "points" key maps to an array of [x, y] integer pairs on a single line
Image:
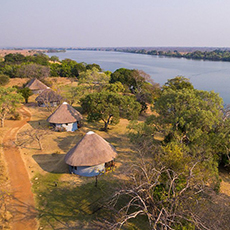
{"points": [[96, 182]]}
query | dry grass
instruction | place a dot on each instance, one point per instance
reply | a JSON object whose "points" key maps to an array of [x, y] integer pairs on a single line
{"points": [[25, 52]]}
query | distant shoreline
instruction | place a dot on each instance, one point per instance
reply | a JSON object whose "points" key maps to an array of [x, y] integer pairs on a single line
{"points": [[195, 53]]}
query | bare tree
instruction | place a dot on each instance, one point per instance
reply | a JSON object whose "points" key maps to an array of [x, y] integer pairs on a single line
{"points": [[162, 195], [29, 136]]}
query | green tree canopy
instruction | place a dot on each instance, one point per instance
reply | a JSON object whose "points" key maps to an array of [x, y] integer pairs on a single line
{"points": [[93, 78], [33, 71], [177, 83], [15, 58], [92, 66], [26, 93], [70, 68], [39, 58], [9, 101], [191, 119], [4, 79], [109, 107]]}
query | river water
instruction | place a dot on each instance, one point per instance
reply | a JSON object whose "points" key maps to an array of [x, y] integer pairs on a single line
{"points": [[204, 75]]}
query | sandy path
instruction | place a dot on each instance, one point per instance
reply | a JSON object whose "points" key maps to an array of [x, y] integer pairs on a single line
{"points": [[22, 205]]}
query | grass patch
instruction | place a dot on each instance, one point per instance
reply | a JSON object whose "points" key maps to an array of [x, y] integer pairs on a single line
{"points": [[65, 205]]}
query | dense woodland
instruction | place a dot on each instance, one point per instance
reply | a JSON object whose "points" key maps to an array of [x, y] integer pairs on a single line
{"points": [[172, 174]]}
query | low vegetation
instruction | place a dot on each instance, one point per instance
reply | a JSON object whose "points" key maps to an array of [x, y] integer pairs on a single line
{"points": [[215, 55]]}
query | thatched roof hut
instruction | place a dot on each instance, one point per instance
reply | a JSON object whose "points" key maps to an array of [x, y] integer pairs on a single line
{"points": [[48, 98], [89, 155], [36, 86], [65, 116], [92, 149]]}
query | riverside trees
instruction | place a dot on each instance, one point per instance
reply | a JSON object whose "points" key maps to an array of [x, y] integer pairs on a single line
{"points": [[172, 175]]}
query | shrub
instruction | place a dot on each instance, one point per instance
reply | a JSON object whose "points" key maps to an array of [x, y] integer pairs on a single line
{"points": [[4, 79]]}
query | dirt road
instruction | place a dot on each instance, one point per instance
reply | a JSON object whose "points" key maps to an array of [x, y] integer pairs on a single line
{"points": [[22, 205]]}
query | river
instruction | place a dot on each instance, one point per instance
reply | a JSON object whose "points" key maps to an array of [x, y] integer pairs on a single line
{"points": [[204, 75]]}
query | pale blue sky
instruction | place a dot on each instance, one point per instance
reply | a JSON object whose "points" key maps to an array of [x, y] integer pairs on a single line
{"points": [[109, 23]]}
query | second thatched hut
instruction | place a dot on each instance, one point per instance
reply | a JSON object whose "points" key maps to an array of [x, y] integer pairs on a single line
{"points": [[90, 156], [65, 118], [36, 86], [48, 98]]}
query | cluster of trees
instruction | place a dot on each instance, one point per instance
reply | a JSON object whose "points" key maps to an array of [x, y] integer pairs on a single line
{"points": [[215, 55], [173, 174], [41, 66], [108, 96]]}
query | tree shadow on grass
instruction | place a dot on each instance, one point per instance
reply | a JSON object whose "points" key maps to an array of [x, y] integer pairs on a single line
{"points": [[66, 143], [52, 162], [39, 124], [69, 206]]}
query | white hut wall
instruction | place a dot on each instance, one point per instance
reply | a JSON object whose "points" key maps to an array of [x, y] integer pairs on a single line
{"points": [[69, 127], [88, 171], [49, 104]]}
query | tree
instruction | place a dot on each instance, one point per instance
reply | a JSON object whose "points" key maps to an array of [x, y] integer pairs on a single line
{"points": [[70, 68], [92, 66], [74, 94], [4, 79], [178, 83], [166, 197], [192, 119], [93, 78], [33, 71], [54, 59], [115, 87], [139, 83], [38, 58], [189, 114], [146, 90], [26, 93], [9, 101], [29, 136], [15, 58], [109, 107], [125, 76]]}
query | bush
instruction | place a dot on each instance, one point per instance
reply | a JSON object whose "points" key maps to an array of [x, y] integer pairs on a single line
{"points": [[4, 79]]}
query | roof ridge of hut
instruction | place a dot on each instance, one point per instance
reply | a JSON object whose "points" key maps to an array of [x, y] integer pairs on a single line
{"points": [[35, 84], [91, 150], [65, 113]]}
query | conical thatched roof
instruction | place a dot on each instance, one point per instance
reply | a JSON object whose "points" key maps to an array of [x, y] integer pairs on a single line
{"points": [[65, 113], [49, 95], [35, 84], [91, 150]]}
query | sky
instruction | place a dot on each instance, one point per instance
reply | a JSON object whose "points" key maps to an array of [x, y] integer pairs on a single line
{"points": [[114, 23]]}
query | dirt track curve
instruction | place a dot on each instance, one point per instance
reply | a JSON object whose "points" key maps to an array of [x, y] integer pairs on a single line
{"points": [[22, 205]]}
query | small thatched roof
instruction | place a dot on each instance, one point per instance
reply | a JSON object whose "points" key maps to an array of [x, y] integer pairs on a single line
{"points": [[48, 95], [91, 150], [35, 84], [65, 113]]}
